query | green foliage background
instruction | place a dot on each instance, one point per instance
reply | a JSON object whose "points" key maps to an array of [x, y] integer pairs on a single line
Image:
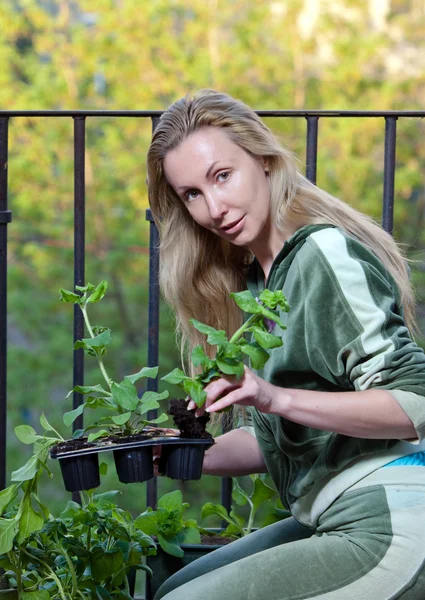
{"points": [[144, 54]]}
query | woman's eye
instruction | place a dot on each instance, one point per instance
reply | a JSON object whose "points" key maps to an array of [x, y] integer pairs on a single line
{"points": [[191, 194], [224, 175]]}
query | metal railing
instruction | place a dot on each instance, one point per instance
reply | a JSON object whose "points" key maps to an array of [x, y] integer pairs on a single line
{"points": [[79, 117]]}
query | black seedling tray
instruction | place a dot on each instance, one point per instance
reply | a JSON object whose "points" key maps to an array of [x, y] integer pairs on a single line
{"points": [[181, 458]]}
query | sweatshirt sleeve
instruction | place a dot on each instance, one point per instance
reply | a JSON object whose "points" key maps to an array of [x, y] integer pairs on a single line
{"points": [[356, 336]]}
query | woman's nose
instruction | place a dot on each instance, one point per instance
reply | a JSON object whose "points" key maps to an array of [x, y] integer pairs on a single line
{"points": [[216, 206]]}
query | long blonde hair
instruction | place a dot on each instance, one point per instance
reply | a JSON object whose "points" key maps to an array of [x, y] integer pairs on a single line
{"points": [[198, 270]]}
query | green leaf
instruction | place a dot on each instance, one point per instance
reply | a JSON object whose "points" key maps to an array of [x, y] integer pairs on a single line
{"points": [[175, 377], [210, 509], [257, 355], [98, 434], [151, 372], [261, 493], [125, 395], [102, 593], [267, 340], [29, 521], [274, 300], [121, 419], [45, 423], [69, 417], [238, 494], [170, 545], [215, 337], [149, 401], [246, 302], [147, 406], [99, 292], [195, 391], [161, 419], [26, 434], [104, 562], [89, 287], [172, 501], [7, 534], [99, 341], [90, 389], [199, 357], [28, 471], [147, 522], [190, 535], [230, 367], [268, 314], [67, 296], [7, 496]]}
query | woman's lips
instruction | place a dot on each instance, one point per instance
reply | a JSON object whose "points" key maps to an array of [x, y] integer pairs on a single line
{"points": [[234, 227]]}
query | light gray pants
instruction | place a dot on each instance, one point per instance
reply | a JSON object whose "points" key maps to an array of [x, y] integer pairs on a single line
{"points": [[368, 545]]}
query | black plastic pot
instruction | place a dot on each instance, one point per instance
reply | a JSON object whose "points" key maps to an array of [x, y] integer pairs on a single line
{"points": [[134, 465], [180, 459], [183, 461], [80, 472]]}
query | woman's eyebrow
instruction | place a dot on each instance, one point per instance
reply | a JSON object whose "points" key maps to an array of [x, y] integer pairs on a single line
{"points": [[207, 174]]}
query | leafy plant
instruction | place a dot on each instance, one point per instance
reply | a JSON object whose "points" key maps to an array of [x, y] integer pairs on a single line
{"points": [[127, 412], [239, 526], [168, 525], [87, 552], [229, 356]]}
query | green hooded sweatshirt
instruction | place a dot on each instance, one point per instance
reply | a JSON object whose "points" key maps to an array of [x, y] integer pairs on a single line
{"points": [[345, 332]]}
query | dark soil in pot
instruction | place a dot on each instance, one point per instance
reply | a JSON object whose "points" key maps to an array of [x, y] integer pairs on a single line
{"points": [[190, 426], [184, 461]]}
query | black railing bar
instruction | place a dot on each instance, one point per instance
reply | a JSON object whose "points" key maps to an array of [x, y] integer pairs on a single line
{"points": [[389, 174], [261, 113], [79, 254], [311, 151], [153, 326], [5, 218]]}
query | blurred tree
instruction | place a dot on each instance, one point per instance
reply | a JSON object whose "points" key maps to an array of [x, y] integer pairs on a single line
{"points": [[144, 54]]}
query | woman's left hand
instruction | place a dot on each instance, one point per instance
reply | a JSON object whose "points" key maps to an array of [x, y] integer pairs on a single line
{"points": [[249, 390]]}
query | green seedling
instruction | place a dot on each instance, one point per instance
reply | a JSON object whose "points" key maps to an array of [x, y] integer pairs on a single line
{"points": [[126, 411], [239, 526], [168, 525], [87, 552], [230, 353]]}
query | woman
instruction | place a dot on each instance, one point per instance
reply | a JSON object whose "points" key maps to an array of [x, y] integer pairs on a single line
{"points": [[339, 412]]}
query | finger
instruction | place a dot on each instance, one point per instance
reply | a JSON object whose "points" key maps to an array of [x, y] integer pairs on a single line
{"points": [[233, 397], [220, 387], [191, 405]]}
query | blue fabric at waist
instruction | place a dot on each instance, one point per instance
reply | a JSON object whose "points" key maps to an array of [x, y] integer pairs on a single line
{"points": [[416, 459]]}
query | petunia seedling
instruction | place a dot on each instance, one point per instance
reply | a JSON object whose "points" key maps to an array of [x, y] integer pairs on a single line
{"points": [[126, 411], [231, 353]]}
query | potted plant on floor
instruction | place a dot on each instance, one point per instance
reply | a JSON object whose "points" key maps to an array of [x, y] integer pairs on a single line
{"points": [[181, 541], [90, 551]]}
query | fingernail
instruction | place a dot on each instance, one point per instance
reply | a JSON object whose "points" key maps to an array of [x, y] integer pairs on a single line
{"points": [[208, 409], [191, 405]]}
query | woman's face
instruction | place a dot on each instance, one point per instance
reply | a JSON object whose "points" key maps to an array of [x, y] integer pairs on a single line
{"points": [[223, 187]]}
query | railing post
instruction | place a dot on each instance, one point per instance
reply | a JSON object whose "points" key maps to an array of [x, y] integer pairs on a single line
{"points": [[153, 327], [389, 174], [5, 218], [79, 253], [311, 151]]}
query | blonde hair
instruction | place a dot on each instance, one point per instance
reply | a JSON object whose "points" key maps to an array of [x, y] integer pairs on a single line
{"points": [[198, 270]]}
